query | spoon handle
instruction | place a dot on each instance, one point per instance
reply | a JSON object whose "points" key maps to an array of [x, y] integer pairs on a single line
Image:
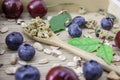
{"points": [[85, 55]]}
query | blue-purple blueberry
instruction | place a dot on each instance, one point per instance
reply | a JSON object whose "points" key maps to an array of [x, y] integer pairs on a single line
{"points": [[79, 20], [74, 30], [92, 70], [107, 23], [26, 52], [14, 40], [27, 72]]}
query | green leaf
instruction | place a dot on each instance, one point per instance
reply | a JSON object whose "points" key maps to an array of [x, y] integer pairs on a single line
{"points": [[105, 52], [57, 23], [87, 44]]}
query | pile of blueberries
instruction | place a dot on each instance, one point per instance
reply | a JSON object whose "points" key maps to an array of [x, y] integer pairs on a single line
{"points": [[92, 70], [78, 22]]}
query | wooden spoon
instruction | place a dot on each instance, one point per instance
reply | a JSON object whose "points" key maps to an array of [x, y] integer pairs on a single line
{"points": [[54, 40]]}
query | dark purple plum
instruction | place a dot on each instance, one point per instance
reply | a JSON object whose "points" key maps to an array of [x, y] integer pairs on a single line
{"points": [[92, 70], [74, 30], [26, 52], [14, 40], [27, 72], [61, 73], [107, 23], [79, 20]]}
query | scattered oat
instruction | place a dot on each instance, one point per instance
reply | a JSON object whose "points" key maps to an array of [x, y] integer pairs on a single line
{"points": [[62, 57], [13, 59], [76, 59], [54, 47], [56, 64], [71, 64], [47, 51], [4, 29], [11, 70], [78, 71], [113, 76], [38, 46], [82, 10], [2, 51], [57, 52], [43, 61], [19, 21], [115, 29], [23, 24], [22, 62], [91, 24], [116, 57], [11, 20]]}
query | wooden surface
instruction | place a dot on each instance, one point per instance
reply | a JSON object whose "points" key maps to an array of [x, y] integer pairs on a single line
{"points": [[4, 59]]}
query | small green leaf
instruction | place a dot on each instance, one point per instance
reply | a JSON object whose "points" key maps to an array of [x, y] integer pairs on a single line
{"points": [[106, 53], [87, 44], [57, 23]]}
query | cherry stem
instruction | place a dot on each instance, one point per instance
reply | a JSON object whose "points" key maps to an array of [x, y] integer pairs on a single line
{"points": [[53, 5]]}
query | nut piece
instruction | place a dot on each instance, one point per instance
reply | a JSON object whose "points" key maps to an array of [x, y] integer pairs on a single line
{"points": [[38, 46], [113, 76], [82, 10], [78, 71], [13, 59], [47, 51], [43, 61], [11, 70], [62, 57], [56, 52], [4, 29]]}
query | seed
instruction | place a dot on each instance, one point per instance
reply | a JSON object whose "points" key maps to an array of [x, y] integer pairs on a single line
{"points": [[47, 51], [22, 62], [38, 46], [62, 57], [4, 29], [11, 70], [43, 61], [71, 64], [13, 59]]}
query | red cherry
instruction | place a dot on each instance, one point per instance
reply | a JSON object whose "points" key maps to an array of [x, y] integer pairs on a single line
{"points": [[37, 8], [117, 39], [12, 8], [61, 73]]}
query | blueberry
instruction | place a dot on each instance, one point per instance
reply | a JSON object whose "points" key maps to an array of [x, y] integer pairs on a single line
{"points": [[14, 40], [26, 52], [74, 30], [27, 72], [107, 23], [79, 20], [92, 70]]}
